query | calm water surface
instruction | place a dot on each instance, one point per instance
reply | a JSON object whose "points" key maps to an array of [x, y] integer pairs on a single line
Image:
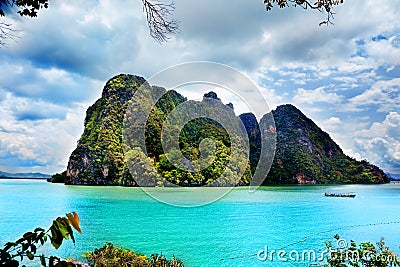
{"points": [[223, 233]]}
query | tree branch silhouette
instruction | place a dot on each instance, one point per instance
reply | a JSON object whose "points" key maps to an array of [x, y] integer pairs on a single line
{"points": [[159, 19], [320, 5]]}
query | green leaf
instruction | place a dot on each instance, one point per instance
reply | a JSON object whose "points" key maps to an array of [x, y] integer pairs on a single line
{"points": [[11, 263], [33, 248], [56, 238], [19, 241], [43, 260], [29, 236], [51, 261], [63, 229], [9, 245], [64, 264], [25, 246], [30, 255]]}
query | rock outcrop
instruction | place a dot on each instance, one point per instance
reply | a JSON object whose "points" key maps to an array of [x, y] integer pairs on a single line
{"points": [[304, 153]]}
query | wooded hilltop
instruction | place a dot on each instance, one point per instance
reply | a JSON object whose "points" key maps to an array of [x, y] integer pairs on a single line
{"points": [[304, 153]]}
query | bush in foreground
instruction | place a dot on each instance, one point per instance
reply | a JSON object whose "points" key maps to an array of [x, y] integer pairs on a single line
{"points": [[109, 256], [365, 254]]}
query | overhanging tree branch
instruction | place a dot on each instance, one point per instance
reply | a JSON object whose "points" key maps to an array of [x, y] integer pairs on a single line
{"points": [[320, 5], [6, 33], [27, 8], [159, 19], [158, 15]]}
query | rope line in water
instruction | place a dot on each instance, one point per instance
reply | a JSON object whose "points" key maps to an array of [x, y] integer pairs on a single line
{"points": [[304, 239]]}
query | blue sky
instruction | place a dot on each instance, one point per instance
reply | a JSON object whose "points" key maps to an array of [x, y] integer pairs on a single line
{"points": [[346, 77]]}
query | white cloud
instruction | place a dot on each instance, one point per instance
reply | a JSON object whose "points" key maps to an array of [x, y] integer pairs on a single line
{"points": [[37, 135], [385, 94], [331, 124], [385, 51], [64, 57], [381, 142], [317, 95]]}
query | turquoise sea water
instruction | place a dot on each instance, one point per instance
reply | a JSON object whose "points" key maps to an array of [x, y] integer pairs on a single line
{"points": [[236, 226]]}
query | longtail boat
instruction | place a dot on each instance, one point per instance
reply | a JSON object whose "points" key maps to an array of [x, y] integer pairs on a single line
{"points": [[352, 195]]}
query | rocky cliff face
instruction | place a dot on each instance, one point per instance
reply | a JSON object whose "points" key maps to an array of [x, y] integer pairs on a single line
{"points": [[98, 158], [304, 153], [253, 132], [307, 155]]}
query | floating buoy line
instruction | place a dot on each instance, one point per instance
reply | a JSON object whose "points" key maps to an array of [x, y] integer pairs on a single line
{"points": [[304, 239]]}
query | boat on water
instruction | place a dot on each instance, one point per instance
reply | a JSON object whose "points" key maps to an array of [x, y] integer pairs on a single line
{"points": [[352, 195]]}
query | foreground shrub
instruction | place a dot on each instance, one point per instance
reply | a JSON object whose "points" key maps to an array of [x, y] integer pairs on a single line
{"points": [[109, 256], [363, 255]]}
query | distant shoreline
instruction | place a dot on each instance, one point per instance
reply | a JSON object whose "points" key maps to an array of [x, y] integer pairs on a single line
{"points": [[241, 186], [22, 178]]}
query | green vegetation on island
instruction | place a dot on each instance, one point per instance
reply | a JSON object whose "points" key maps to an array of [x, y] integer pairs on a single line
{"points": [[307, 155], [304, 153]]}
